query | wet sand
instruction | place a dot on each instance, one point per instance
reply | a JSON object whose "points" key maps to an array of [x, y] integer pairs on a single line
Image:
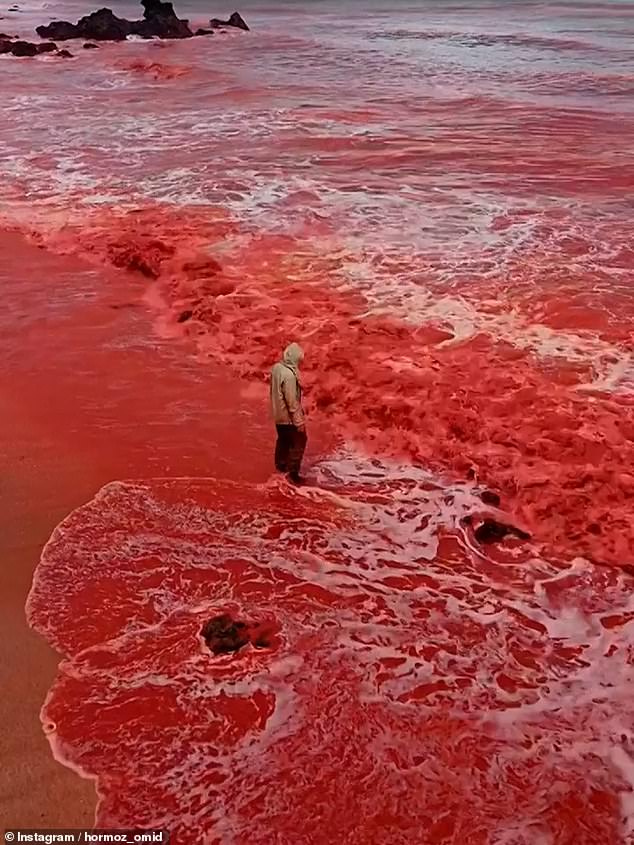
{"points": [[40, 484], [87, 395]]}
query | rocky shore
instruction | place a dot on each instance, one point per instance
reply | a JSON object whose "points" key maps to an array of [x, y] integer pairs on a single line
{"points": [[159, 21]]}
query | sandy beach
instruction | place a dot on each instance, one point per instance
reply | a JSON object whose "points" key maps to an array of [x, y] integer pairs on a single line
{"points": [[61, 441], [41, 483]]}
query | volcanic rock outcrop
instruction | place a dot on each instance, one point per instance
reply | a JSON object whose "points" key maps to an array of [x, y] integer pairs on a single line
{"points": [[236, 20], [102, 25], [159, 21]]}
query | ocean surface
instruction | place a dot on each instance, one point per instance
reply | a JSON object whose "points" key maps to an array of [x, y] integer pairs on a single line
{"points": [[436, 200]]}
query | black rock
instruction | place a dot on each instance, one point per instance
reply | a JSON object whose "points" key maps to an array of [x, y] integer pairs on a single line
{"points": [[186, 315], [64, 54], [103, 25], [159, 21], [14, 9], [90, 46], [223, 635], [59, 30], [491, 531], [46, 47], [5, 47], [236, 20], [5, 37], [490, 498], [23, 49], [204, 32]]}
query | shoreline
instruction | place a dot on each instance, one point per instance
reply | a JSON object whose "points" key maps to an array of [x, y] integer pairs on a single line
{"points": [[37, 791], [84, 417]]}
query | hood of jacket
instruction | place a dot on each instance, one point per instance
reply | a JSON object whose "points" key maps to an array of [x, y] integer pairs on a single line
{"points": [[293, 355]]}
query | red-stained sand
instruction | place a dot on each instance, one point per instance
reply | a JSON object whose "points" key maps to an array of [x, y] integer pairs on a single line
{"points": [[70, 425]]}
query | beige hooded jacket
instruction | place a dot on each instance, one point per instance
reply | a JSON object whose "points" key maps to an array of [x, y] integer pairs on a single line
{"points": [[286, 388]]}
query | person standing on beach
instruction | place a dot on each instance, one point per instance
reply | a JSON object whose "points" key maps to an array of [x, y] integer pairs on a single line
{"points": [[286, 404]]}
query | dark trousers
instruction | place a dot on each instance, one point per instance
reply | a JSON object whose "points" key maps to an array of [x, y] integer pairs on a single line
{"points": [[289, 449]]}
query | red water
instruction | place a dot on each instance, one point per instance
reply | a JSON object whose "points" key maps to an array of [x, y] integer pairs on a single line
{"points": [[436, 202]]}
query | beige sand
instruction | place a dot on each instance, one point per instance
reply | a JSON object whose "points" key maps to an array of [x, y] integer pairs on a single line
{"points": [[39, 484]]}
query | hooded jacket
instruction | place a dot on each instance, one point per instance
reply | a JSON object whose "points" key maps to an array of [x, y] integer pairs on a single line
{"points": [[286, 388]]}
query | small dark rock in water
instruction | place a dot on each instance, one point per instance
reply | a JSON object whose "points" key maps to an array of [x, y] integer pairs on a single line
{"points": [[90, 46], [14, 8], [65, 54], [186, 315], [491, 531], [23, 48], [490, 498], [236, 20], [5, 37], [204, 32], [222, 634]]}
